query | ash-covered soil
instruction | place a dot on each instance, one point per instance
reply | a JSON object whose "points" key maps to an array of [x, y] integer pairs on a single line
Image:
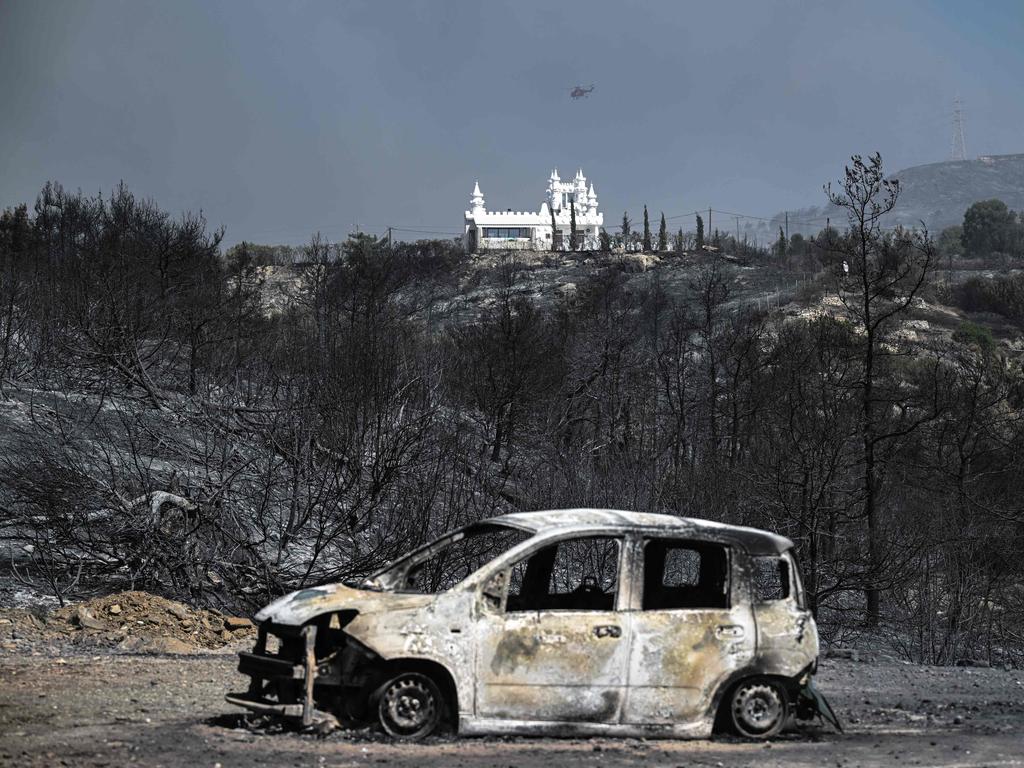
{"points": [[112, 709]]}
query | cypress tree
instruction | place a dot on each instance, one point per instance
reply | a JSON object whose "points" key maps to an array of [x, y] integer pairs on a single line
{"points": [[700, 232], [626, 225], [646, 230], [662, 234], [553, 248], [573, 238], [780, 245]]}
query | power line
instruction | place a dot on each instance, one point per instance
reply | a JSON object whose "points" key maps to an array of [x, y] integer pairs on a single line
{"points": [[810, 221]]}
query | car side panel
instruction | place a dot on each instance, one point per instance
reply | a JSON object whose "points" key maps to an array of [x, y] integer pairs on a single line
{"points": [[679, 657]]}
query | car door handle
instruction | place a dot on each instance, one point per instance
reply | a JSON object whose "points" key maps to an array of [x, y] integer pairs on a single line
{"points": [[730, 630], [608, 630]]}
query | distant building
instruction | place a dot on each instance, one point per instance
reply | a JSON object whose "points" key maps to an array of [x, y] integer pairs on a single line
{"points": [[524, 230]]}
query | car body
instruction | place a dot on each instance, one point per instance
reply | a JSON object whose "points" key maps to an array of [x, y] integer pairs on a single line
{"points": [[563, 622]]}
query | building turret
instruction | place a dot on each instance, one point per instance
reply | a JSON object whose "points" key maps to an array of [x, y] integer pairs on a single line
{"points": [[476, 202]]}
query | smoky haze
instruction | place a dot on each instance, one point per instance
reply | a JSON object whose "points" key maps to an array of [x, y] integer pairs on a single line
{"points": [[281, 119]]}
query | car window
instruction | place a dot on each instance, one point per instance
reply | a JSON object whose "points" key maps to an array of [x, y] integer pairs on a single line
{"points": [[685, 574], [572, 575], [454, 560], [771, 579]]}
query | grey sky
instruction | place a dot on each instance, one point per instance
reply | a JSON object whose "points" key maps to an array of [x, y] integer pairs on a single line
{"points": [[278, 119]]}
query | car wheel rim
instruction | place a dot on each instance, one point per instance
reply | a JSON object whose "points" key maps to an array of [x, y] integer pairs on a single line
{"points": [[409, 706], [758, 709]]}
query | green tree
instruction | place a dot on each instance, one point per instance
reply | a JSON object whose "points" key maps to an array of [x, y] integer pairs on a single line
{"points": [[662, 234], [647, 232], [700, 232], [780, 244], [554, 230], [606, 242], [950, 242], [626, 229], [678, 241], [573, 235], [990, 227], [972, 334], [797, 245]]}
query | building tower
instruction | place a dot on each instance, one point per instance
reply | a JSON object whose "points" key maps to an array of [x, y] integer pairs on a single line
{"points": [[958, 150], [476, 202]]}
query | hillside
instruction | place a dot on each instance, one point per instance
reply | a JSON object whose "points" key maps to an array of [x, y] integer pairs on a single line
{"points": [[936, 193], [203, 428]]}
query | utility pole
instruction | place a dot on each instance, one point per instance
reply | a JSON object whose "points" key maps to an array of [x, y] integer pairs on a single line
{"points": [[708, 235], [787, 226]]}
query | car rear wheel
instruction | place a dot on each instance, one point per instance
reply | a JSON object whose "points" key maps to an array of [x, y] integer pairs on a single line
{"points": [[758, 708], [410, 706]]}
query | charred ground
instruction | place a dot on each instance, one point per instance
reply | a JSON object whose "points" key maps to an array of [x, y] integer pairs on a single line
{"points": [[119, 709]]}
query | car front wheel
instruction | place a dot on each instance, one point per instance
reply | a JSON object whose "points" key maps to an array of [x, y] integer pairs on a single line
{"points": [[410, 706], [758, 708]]}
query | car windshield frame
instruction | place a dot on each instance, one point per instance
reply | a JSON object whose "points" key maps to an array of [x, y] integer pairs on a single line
{"points": [[393, 575]]}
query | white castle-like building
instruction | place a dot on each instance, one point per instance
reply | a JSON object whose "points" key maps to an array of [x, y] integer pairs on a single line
{"points": [[525, 230]]}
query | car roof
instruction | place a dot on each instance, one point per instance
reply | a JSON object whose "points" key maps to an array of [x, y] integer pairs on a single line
{"points": [[754, 540]]}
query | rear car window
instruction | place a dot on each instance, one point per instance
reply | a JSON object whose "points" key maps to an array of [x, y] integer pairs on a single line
{"points": [[771, 579], [685, 574]]}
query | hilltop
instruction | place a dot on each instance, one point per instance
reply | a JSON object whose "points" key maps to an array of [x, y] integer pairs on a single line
{"points": [[936, 193]]}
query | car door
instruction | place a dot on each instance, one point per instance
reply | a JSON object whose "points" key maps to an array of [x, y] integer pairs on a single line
{"points": [[554, 648], [785, 629], [686, 634]]}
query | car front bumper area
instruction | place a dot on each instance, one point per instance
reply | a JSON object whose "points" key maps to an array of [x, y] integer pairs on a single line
{"points": [[279, 684]]}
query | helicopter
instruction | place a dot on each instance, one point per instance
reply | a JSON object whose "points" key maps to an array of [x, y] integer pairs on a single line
{"points": [[580, 92]]}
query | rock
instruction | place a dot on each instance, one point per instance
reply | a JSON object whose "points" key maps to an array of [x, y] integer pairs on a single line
{"points": [[237, 622], [178, 610], [86, 620], [167, 645], [114, 609]]}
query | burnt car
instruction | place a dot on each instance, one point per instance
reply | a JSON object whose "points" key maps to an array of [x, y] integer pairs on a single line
{"points": [[567, 622]]}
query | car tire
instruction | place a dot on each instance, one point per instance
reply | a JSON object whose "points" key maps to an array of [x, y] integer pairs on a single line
{"points": [[758, 708], [409, 706]]}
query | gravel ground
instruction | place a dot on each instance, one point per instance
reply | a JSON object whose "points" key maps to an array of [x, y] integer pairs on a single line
{"points": [[114, 710]]}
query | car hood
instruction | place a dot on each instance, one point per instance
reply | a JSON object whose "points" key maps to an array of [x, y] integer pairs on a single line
{"points": [[297, 608]]}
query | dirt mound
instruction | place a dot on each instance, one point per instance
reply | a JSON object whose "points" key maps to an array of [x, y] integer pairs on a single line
{"points": [[128, 621]]}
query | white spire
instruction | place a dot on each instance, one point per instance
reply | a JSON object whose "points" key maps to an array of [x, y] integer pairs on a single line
{"points": [[477, 200]]}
